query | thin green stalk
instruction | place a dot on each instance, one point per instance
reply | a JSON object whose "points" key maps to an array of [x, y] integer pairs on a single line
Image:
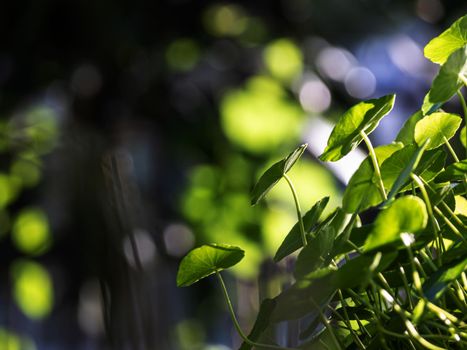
{"points": [[406, 286], [374, 160], [237, 325], [326, 324], [433, 221], [347, 321], [451, 150], [299, 211]]}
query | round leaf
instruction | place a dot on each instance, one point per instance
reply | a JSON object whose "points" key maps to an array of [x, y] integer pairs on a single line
{"points": [[437, 127], [206, 260], [271, 176], [440, 48], [364, 116], [406, 214], [449, 80]]}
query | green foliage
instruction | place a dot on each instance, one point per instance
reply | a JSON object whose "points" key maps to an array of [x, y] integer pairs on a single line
{"points": [[363, 117], [206, 260], [399, 280]]}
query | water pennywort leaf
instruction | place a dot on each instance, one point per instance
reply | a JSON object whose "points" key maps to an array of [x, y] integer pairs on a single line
{"points": [[206, 260], [272, 175], [440, 48], [364, 116], [437, 127], [406, 214], [450, 79]]}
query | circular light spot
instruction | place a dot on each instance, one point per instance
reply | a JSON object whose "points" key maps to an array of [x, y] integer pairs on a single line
{"points": [[31, 233], [360, 82], [143, 246], [334, 62], [314, 96], [178, 239], [283, 59]]}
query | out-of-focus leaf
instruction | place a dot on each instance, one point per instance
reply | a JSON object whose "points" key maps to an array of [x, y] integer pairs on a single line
{"points": [[355, 311], [364, 116], [454, 172], [293, 240], [206, 260], [405, 215], [274, 174], [463, 137], [262, 322], [406, 133], [449, 80], [440, 48], [436, 127], [437, 283], [362, 191]]}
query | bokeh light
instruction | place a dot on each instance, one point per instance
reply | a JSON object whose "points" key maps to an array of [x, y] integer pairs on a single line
{"points": [[283, 59], [31, 232], [32, 289], [360, 82], [315, 96], [225, 20], [182, 54], [260, 117]]}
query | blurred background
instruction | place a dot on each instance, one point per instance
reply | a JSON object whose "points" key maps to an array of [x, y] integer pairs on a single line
{"points": [[131, 132]]}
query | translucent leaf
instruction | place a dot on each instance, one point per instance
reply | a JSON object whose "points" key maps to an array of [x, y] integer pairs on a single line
{"points": [[437, 283], [405, 174], [274, 174], [463, 137], [450, 79], [436, 127], [206, 260], [364, 116], [362, 191], [440, 48], [293, 240], [405, 215]]}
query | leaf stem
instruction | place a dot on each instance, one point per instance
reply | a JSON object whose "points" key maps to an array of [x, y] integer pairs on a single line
{"points": [[374, 160], [451, 150], [237, 325], [299, 211]]}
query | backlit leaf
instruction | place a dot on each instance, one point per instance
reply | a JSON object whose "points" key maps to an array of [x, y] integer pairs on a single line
{"points": [[436, 127], [274, 174], [406, 133], [206, 260], [454, 172], [364, 116], [406, 214], [451, 77], [440, 48], [437, 283]]}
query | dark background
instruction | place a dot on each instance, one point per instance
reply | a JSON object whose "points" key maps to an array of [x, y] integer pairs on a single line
{"points": [[116, 113]]}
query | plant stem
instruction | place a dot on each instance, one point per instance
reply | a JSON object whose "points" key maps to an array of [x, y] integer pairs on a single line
{"points": [[326, 324], [347, 321], [299, 211], [451, 150], [237, 325], [374, 160], [429, 208]]}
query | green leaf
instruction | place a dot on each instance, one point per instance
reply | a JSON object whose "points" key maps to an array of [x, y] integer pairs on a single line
{"points": [[454, 172], [451, 77], [364, 116], [274, 174], [206, 260], [429, 107], [440, 48], [406, 133], [356, 272], [463, 137], [430, 164], [405, 174], [436, 284], [405, 215], [316, 253], [362, 191], [436, 127], [293, 240], [262, 322]]}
